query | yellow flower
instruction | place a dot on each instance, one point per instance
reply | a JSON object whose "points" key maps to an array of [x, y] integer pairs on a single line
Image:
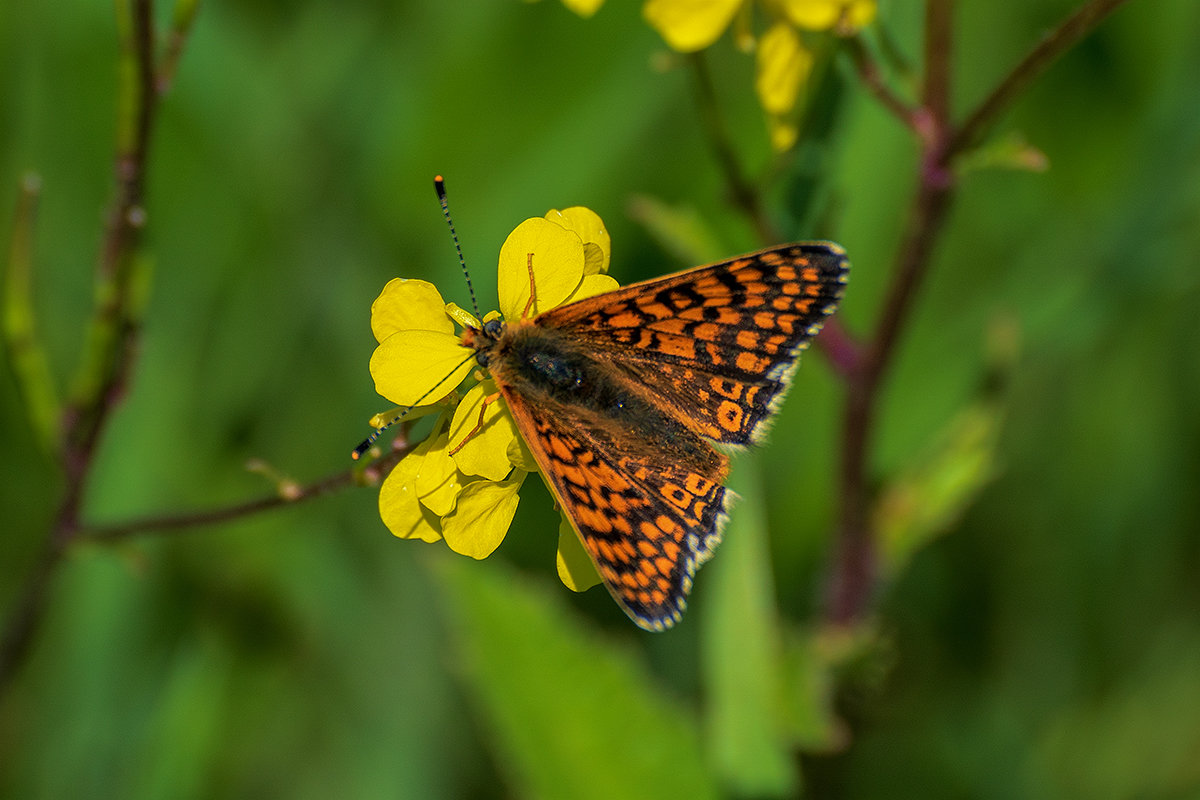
{"points": [[783, 62], [461, 483]]}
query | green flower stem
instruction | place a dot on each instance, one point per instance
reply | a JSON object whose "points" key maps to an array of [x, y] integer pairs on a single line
{"points": [[121, 278], [853, 574], [29, 364]]}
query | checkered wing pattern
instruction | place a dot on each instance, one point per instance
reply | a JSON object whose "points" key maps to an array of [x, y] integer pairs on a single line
{"points": [[718, 344], [647, 519]]}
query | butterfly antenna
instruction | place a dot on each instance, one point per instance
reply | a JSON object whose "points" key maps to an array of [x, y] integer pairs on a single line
{"points": [[439, 184], [366, 443]]}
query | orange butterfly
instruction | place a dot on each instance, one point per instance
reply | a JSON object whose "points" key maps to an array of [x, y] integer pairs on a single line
{"points": [[621, 396]]}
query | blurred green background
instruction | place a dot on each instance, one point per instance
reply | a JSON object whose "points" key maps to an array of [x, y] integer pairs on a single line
{"points": [[1047, 646]]}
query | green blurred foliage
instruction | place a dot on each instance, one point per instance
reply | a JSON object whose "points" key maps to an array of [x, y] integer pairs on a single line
{"points": [[1046, 644]]}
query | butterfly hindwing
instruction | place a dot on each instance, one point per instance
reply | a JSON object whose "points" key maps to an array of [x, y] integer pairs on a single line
{"points": [[647, 522]]}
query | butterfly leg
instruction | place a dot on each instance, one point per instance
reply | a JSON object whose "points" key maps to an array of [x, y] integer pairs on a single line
{"points": [[532, 288], [487, 401]]}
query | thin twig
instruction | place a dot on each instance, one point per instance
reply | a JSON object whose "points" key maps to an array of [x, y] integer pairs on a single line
{"points": [[1052, 45], [872, 79], [171, 523]]}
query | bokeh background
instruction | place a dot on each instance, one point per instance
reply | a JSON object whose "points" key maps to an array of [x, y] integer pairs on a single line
{"points": [[1047, 645]]}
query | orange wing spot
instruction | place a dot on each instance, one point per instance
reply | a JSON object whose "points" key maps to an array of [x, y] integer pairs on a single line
{"points": [[598, 501], [729, 415], [803, 305], [676, 495], [620, 523], [755, 287], [628, 579], [706, 331], [664, 587], [558, 449], [590, 518], [785, 322], [813, 290], [606, 551], [671, 550], [647, 566], [698, 485], [748, 339], [727, 388], [608, 573], [714, 354], [666, 524], [619, 504], [656, 310], [751, 393], [650, 531], [698, 510], [710, 430], [750, 362], [647, 549], [809, 275], [754, 301], [775, 341], [791, 288], [674, 325], [644, 597], [764, 320], [781, 303], [786, 273], [677, 346], [642, 579], [626, 319], [665, 565]]}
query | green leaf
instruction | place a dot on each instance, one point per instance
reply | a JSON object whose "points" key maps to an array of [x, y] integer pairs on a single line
{"points": [[746, 733], [678, 230], [571, 713]]}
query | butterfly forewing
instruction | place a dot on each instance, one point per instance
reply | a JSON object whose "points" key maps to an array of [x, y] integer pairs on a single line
{"points": [[717, 344]]}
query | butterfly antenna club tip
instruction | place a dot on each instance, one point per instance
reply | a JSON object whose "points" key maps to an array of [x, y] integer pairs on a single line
{"points": [[439, 185]]}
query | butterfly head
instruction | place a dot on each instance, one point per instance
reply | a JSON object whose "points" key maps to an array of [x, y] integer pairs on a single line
{"points": [[483, 339]]}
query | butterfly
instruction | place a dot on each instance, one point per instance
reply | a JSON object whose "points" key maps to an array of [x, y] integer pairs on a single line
{"points": [[623, 398]]}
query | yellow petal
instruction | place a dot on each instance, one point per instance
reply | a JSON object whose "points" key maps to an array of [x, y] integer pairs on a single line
{"points": [[587, 225], [479, 521], [557, 267], [813, 15], [399, 507], [438, 483], [690, 25], [584, 8], [520, 457], [575, 567], [822, 15], [461, 316], [783, 66], [592, 285], [407, 305], [414, 366], [485, 453]]}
